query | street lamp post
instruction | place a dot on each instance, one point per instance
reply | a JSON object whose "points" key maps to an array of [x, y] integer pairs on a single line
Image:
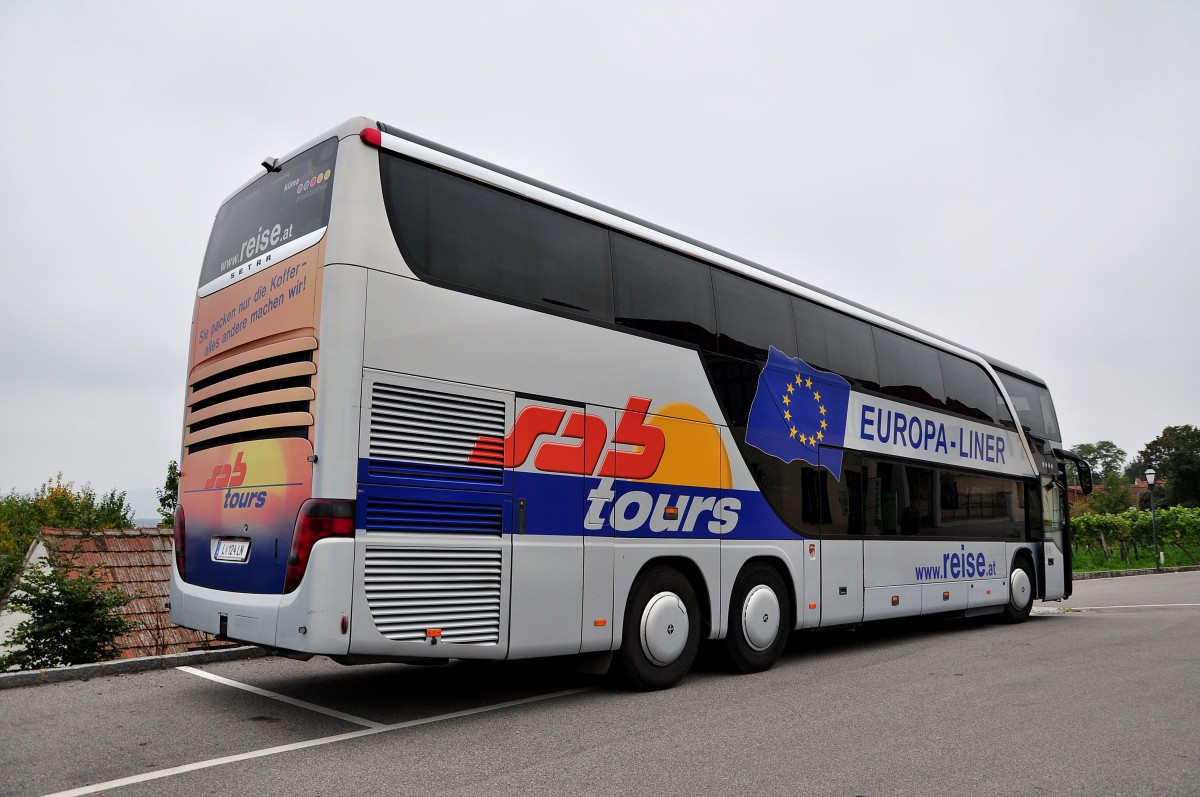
{"points": [[1150, 474]]}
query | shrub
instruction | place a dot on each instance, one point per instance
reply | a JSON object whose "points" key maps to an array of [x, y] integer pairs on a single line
{"points": [[73, 620]]}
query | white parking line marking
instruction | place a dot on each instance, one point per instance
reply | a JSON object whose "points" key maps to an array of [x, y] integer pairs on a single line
{"points": [[1044, 610], [283, 698], [1142, 606], [287, 748]]}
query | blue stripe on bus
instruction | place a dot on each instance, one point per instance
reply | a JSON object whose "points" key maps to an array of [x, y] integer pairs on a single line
{"points": [[565, 505], [424, 474]]}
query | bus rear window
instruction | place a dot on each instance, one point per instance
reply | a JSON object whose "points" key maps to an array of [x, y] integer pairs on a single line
{"points": [[272, 212]]}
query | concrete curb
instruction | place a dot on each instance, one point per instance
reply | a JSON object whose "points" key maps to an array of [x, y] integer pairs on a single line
{"points": [[82, 672], [1118, 573]]}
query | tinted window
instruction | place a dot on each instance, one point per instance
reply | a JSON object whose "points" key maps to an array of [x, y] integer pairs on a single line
{"points": [[851, 350], [811, 321], [663, 292], [1049, 416], [460, 231], [906, 500], [276, 208], [974, 506], [1033, 405], [916, 500], [969, 390], [791, 489], [847, 496], [751, 317], [908, 370]]}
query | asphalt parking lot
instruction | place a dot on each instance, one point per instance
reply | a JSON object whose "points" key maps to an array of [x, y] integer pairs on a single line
{"points": [[1100, 695]]}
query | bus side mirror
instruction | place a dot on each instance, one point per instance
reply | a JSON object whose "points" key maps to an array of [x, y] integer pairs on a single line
{"points": [[1085, 475]]}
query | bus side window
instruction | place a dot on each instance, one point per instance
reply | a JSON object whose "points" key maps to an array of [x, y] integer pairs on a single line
{"points": [[844, 513], [663, 292], [918, 511], [516, 248], [909, 370], [1035, 517], [852, 350], [969, 391], [811, 321], [751, 317]]}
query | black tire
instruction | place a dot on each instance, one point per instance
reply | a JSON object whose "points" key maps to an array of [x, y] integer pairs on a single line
{"points": [[651, 656], [758, 606], [1021, 592]]}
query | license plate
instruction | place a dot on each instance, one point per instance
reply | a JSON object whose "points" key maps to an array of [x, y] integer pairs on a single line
{"points": [[232, 550]]}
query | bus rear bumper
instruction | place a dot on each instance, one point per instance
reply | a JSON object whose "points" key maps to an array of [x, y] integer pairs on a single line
{"points": [[306, 620]]}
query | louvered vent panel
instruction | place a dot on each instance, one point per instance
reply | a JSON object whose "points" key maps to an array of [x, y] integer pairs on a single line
{"points": [[263, 392], [424, 433], [411, 590], [434, 517]]}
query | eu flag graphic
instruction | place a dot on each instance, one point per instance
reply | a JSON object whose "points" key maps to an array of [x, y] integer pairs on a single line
{"points": [[797, 410]]}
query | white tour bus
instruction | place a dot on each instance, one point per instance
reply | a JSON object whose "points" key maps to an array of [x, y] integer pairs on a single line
{"points": [[439, 410]]}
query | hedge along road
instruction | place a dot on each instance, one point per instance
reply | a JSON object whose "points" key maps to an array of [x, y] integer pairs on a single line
{"points": [[1099, 699]]}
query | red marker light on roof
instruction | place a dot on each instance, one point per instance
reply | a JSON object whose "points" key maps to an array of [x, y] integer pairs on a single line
{"points": [[371, 136]]}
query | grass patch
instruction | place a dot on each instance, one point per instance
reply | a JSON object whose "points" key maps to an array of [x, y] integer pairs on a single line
{"points": [[1094, 560]]}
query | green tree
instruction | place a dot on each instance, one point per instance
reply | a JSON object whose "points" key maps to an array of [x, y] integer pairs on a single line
{"points": [[1136, 469], [73, 619], [1104, 457], [59, 505], [1113, 497], [56, 504], [1175, 454], [168, 496]]}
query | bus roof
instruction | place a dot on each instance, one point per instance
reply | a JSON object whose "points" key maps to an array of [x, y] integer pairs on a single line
{"points": [[355, 125]]}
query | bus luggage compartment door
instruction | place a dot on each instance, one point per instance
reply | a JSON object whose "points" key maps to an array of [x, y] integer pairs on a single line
{"points": [[841, 582], [435, 516], [550, 456]]}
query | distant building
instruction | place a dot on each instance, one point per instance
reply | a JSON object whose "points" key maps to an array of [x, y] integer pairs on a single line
{"points": [[137, 562], [1075, 496], [1140, 488]]}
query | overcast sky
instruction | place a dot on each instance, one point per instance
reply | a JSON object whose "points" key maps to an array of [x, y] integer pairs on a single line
{"points": [[1023, 178]]}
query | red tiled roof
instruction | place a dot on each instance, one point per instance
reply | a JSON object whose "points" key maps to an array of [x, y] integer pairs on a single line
{"points": [[137, 562]]}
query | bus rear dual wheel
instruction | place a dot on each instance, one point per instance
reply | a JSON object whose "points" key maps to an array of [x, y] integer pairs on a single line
{"points": [[760, 618], [661, 630]]}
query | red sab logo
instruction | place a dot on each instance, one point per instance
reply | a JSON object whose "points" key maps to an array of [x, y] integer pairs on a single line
{"points": [[227, 475], [590, 436]]}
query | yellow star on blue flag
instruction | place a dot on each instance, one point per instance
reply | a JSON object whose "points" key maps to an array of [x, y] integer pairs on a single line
{"points": [[805, 425]]}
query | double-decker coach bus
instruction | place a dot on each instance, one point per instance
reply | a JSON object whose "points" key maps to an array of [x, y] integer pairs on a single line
{"points": [[439, 410]]}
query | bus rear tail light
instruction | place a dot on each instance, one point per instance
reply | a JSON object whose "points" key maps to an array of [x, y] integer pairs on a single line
{"points": [[180, 539], [371, 136], [319, 518]]}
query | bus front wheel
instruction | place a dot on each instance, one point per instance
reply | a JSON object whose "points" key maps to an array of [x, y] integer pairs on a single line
{"points": [[759, 619], [1020, 592], [661, 631]]}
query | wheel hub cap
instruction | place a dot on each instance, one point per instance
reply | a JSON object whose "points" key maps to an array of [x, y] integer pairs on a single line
{"points": [[664, 628], [1022, 591], [760, 617]]}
